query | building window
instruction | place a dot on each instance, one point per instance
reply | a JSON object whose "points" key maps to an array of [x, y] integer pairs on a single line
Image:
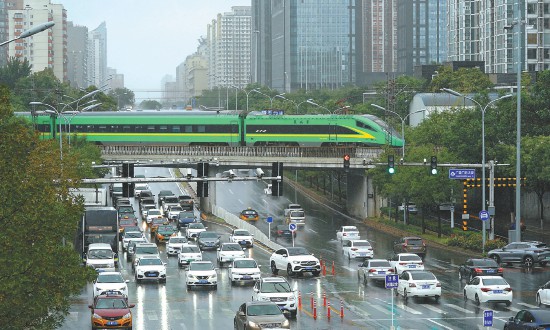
{"points": [[531, 8]]}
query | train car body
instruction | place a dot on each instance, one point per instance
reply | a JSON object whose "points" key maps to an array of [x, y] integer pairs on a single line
{"points": [[224, 129]]}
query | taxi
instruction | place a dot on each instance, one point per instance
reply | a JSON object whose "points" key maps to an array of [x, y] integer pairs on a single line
{"points": [[164, 232], [249, 214], [111, 311], [156, 223], [124, 223]]}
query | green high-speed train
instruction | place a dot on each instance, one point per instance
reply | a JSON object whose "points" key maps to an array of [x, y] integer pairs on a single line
{"points": [[223, 129]]}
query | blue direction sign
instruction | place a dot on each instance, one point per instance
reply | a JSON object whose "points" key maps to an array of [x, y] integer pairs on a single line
{"points": [[488, 318], [462, 173], [392, 281], [483, 215], [292, 226], [269, 220]]}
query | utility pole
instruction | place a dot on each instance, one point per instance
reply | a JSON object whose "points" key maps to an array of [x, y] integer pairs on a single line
{"points": [[491, 209]]}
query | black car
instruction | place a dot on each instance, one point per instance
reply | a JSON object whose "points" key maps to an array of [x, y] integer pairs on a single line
{"points": [[410, 244], [282, 231], [208, 240], [478, 267], [529, 319]]}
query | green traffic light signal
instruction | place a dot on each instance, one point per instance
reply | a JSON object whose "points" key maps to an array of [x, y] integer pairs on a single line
{"points": [[391, 164], [433, 165]]}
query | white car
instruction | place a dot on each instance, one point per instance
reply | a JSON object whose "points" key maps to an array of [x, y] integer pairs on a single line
{"points": [[101, 257], [406, 261], [418, 283], [410, 206], [153, 213], [189, 253], [245, 270], [110, 281], [193, 229], [357, 249], [138, 187], [278, 290], [150, 268], [294, 260], [131, 236], [488, 289], [267, 190], [173, 212], [374, 269], [228, 252], [347, 233], [243, 237], [543, 294], [201, 273], [174, 245]]}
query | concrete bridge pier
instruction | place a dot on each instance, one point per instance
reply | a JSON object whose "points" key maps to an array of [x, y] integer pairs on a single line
{"points": [[361, 201]]}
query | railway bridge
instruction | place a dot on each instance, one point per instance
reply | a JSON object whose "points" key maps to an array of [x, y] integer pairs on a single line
{"points": [[361, 201]]}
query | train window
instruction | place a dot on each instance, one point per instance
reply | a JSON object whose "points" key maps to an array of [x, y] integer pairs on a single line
{"points": [[102, 129], [151, 129], [115, 128], [163, 129], [201, 129], [138, 129], [126, 129], [188, 129], [176, 128], [89, 128], [365, 126]]}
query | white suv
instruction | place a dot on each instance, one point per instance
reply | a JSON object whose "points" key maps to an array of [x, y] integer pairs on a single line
{"points": [[277, 290], [150, 268], [201, 273], [110, 281], [229, 251], [245, 270], [294, 260]]}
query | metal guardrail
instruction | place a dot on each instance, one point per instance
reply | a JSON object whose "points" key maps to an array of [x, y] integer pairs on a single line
{"points": [[233, 220]]}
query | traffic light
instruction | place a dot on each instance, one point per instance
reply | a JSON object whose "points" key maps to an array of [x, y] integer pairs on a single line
{"points": [[202, 172], [433, 165], [127, 172], [346, 161], [277, 185], [464, 224], [391, 164]]}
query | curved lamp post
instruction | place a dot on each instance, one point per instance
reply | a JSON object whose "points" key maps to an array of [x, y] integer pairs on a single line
{"points": [[403, 119], [310, 101], [483, 109], [248, 93], [269, 97], [30, 32]]}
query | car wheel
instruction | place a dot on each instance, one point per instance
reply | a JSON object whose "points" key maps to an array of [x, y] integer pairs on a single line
{"points": [[365, 280], [436, 298], [495, 258], [405, 294], [274, 269], [477, 300], [289, 270], [459, 275], [508, 303], [163, 281], [465, 296], [293, 314], [543, 263], [538, 300], [528, 262], [188, 287]]}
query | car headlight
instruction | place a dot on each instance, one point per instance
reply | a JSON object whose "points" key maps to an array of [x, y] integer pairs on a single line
{"points": [[296, 262], [95, 316], [215, 276], [264, 298], [253, 324], [127, 315], [286, 323], [291, 298]]}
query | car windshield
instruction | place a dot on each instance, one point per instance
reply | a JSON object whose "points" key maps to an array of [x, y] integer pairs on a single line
{"points": [[380, 263], [109, 278], [141, 186], [167, 228], [196, 226], [146, 250], [297, 251], [414, 241], [249, 212], [418, 276], [541, 246], [176, 209], [190, 249], [132, 234], [298, 213], [272, 287], [206, 234], [153, 212], [267, 309], [231, 247], [126, 222], [485, 263], [187, 214], [350, 229], [125, 209], [111, 303], [494, 281], [245, 264], [100, 254], [150, 261], [178, 240], [361, 243], [241, 233], [159, 221], [148, 207], [201, 266], [171, 200], [412, 257]]}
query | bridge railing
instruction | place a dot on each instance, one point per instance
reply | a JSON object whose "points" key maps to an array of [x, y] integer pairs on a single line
{"points": [[219, 151]]}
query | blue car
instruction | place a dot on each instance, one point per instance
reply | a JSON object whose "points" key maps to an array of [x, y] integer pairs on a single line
{"points": [[185, 218], [529, 319]]}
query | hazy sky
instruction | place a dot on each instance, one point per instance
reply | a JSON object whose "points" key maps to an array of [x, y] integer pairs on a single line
{"points": [[147, 39]]}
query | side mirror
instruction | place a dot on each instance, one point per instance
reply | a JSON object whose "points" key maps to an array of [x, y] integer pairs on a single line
{"points": [[90, 306], [219, 249], [241, 314], [285, 255], [132, 305], [127, 281], [256, 290]]}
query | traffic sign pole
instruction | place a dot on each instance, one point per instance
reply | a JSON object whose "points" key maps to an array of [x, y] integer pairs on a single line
{"points": [[391, 282], [292, 228], [269, 221]]}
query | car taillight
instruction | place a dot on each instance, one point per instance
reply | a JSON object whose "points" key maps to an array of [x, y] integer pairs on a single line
{"points": [[390, 270], [404, 245], [477, 270], [280, 232], [402, 263], [344, 234], [485, 289], [500, 270], [372, 270], [354, 249], [412, 285], [508, 289], [420, 263], [438, 285]]}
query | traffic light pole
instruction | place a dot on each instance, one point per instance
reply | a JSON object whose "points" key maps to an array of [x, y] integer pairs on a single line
{"points": [[491, 209]]}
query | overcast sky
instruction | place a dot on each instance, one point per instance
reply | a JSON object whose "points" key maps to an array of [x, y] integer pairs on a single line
{"points": [[147, 39]]}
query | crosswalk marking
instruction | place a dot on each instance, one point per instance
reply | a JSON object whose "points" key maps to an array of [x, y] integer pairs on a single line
{"points": [[435, 309], [407, 309], [458, 308]]}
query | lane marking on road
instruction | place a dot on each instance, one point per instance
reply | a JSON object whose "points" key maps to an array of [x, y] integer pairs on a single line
{"points": [[439, 324], [407, 308], [349, 268], [240, 201], [152, 315], [359, 311], [434, 309], [458, 308], [439, 267], [311, 230], [380, 309], [447, 263], [230, 191], [527, 305]]}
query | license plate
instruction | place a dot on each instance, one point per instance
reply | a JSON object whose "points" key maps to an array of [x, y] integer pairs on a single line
{"points": [[243, 242], [381, 272], [203, 281], [412, 266], [112, 323], [247, 277], [490, 271], [497, 291], [308, 268], [426, 286], [151, 275], [362, 254]]}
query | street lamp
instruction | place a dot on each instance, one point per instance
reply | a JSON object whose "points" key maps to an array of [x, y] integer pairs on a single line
{"points": [[236, 95], [248, 93], [310, 101], [483, 109], [403, 119], [30, 32], [269, 97]]}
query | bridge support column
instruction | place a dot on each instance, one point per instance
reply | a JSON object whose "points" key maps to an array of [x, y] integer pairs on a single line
{"points": [[360, 195], [207, 202]]}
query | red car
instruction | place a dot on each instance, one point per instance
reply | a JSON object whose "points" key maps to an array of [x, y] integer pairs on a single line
{"points": [[111, 311]]}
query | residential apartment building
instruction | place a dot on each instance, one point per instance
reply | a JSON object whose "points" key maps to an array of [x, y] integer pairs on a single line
{"points": [[228, 43], [97, 56], [194, 76]]}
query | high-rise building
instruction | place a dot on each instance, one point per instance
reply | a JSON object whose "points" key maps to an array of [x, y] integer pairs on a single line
{"points": [[77, 55], [421, 33], [228, 42], [44, 50], [97, 56], [308, 44]]}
